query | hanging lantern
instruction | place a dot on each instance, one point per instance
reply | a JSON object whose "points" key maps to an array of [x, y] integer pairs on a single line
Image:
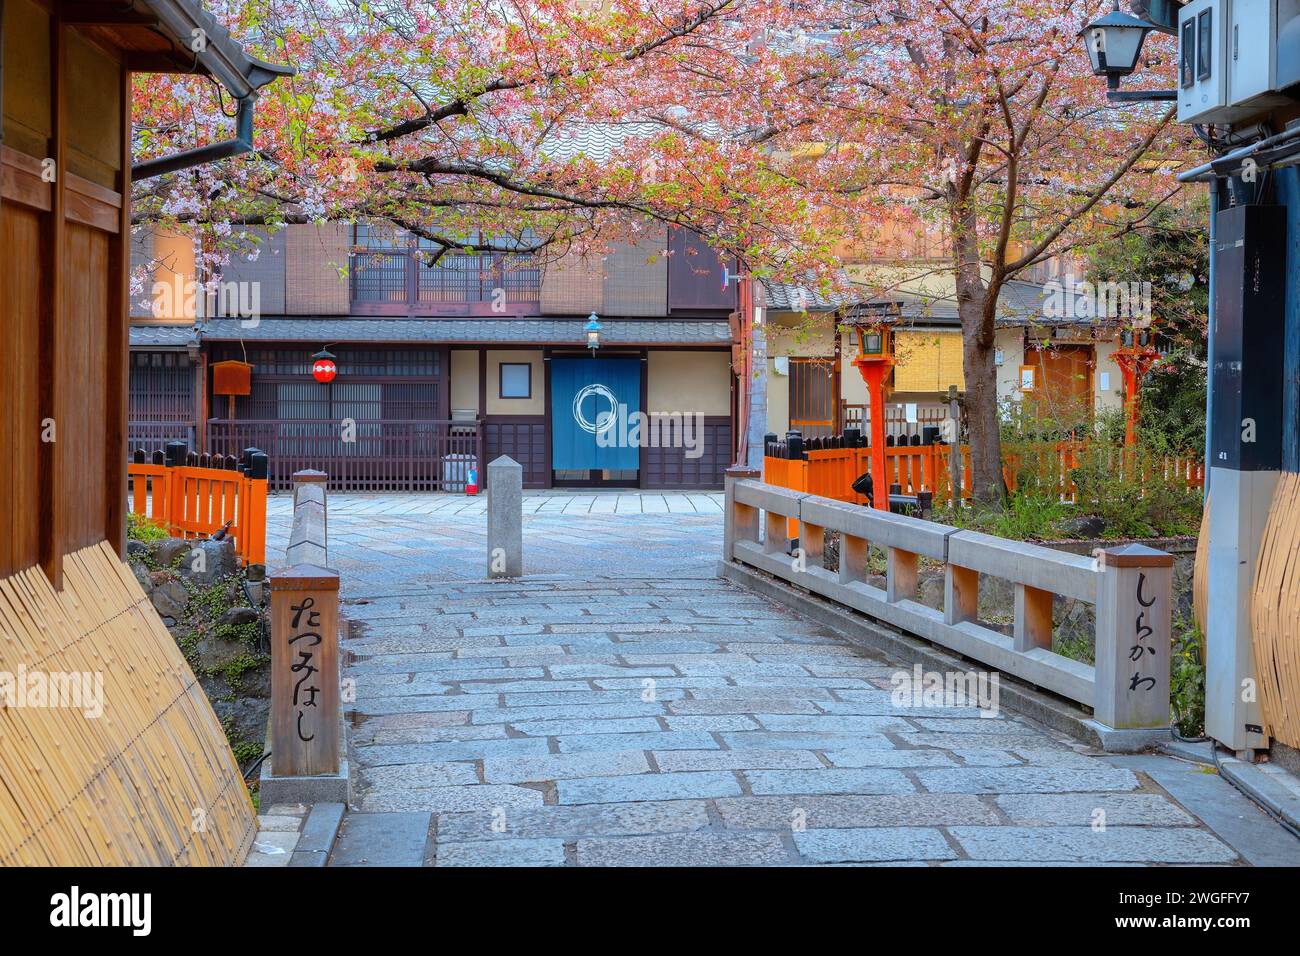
{"points": [[323, 367]]}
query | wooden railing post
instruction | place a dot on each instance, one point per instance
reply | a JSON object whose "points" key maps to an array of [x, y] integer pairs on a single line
{"points": [[854, 558], [961, 594], [812, 541], [738, 521], [1033, 623], [900, 575], [1134, 637], [304, 671]]}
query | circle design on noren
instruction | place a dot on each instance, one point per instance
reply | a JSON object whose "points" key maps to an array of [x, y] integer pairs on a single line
{"points": [[604, 420]]}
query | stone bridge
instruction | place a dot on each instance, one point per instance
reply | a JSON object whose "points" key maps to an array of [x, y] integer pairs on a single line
{"points": [[622, 704]]}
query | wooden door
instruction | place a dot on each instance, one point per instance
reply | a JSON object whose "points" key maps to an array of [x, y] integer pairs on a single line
{"points": [[1063, 388]]}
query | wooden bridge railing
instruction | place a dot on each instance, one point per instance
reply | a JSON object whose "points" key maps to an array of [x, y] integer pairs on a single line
{"points": [[1130, 588], [196, 496]]}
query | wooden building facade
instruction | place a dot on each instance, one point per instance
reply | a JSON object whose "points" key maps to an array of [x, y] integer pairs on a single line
{"points": [[130, 771], [444, 366]]}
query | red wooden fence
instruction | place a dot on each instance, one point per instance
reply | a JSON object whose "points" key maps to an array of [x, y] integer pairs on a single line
{"points": [[193, 502], [830, 472]]}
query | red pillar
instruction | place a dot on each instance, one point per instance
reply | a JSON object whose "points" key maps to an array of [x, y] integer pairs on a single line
{"points": [[873, 373]]}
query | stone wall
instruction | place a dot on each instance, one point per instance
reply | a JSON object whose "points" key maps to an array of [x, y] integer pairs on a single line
{"points": [[217, 614]]}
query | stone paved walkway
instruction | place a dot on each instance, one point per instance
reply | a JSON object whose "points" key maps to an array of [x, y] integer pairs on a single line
{"points": [[383, 542], [623, 706]]}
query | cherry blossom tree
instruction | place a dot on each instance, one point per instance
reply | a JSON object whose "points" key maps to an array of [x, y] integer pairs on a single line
{"points": [[981, 119], [475, 124]]}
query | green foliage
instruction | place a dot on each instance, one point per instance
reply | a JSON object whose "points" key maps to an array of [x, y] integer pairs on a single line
{"points": [[1028, 517], [1187, 680], [142, 528], [1171, 251], [235, 669], [1173, 407], [1136, 507], [1076, 648]]}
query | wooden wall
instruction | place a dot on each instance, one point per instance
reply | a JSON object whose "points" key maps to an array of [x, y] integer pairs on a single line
{"points": [[127, 780], [63, 332], [21, 278]]}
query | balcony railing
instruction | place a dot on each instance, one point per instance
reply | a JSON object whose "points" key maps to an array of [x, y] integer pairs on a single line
{"points": [[406, 283]]}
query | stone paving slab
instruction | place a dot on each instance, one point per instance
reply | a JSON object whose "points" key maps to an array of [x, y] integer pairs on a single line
{"points": [[382, 839], [621, 705], [1088, 845], [874, 845]]}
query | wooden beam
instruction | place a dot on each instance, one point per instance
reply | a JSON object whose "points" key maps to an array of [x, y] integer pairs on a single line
{"points": [[160, 63], [51, 504], [117, 335], [79, 13]]}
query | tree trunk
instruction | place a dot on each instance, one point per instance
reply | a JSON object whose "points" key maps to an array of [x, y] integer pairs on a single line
{"points": [[982, 421], [977, 308]]}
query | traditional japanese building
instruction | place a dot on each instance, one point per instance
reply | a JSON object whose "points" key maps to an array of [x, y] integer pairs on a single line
{"points": [[1054, 360], [444, 366]]}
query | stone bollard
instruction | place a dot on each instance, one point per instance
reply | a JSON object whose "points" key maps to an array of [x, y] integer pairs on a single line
{"points": [[1134, 637], [505, 518], [309, 535], [304, 672]]}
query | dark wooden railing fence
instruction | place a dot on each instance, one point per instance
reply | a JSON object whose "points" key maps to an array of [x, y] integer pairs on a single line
{"points": [[382, 455]]}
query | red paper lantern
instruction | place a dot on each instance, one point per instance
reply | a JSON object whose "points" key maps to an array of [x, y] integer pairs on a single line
{"points": [[323, 368]]}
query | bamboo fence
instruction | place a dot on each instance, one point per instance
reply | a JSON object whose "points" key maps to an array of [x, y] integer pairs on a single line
{"points": [[151, 781]]}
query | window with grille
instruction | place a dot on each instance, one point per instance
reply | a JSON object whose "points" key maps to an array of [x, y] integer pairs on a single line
{"points": [[812, 395], [394, 272]]}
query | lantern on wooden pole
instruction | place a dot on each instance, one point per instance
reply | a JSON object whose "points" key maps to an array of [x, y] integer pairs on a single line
{"points": [[232, 378], [873, 328], [1135, 356]]}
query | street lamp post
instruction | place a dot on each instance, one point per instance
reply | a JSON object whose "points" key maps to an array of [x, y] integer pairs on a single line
{"points": [[1134, 357], [874, 362], [1114, 43]]}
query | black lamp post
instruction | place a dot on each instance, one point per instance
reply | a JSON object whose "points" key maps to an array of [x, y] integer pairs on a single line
{"points": [[1114, 43]]}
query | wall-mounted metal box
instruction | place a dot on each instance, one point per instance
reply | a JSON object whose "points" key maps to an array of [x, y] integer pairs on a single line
{"points": [[1247, 363], [1202, 77], [1234, 58]]}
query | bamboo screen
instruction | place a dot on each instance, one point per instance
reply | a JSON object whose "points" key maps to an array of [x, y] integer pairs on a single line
{"points": [[1275, 614], [574, 285], [636, 278], [151, 780]]}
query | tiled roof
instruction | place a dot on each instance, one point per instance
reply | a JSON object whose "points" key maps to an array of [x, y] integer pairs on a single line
{"points": [[506, 331], [793, 297], [163, 336], [1020, 302]]}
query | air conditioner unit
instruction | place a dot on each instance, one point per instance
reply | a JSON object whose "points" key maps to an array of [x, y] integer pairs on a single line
{"points": [[1234, 56]]}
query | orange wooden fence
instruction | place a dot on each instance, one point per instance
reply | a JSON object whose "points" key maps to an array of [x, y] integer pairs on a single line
{"points": [[831, 472], [195, 502]]}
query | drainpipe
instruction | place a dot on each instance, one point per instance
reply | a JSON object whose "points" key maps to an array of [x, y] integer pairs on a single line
{"points": [[242, 143]]}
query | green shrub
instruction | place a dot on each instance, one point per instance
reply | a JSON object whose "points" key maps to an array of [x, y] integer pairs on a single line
{"points": [[1132, 507], [1028, 517], [142, 528], [1187, 680]]}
